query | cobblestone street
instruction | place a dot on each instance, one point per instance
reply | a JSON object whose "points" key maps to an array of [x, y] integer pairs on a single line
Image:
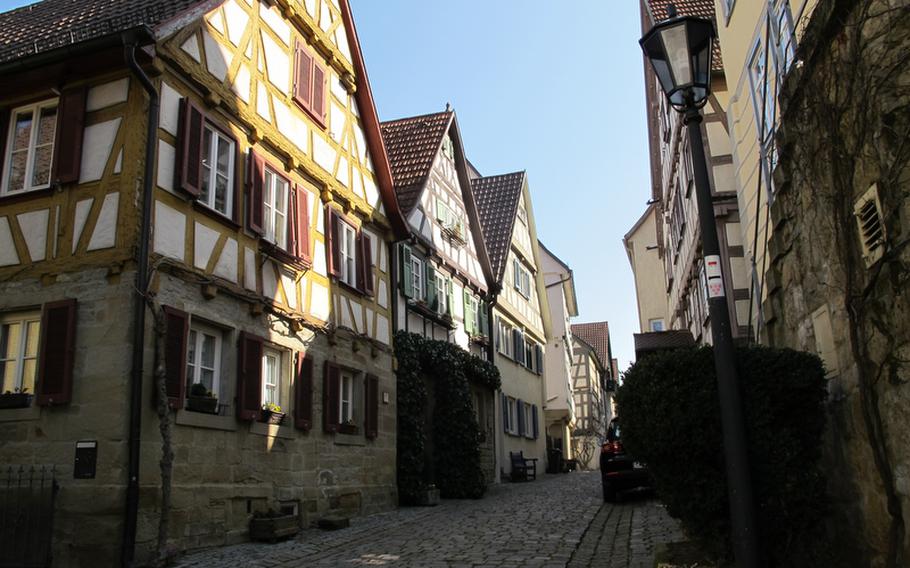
{"points": [[556, 521]]}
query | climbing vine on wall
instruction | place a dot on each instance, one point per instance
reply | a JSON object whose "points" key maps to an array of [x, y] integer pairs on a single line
{"points": [[453, 424]]}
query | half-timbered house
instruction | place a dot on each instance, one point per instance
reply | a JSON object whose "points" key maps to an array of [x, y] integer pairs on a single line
{"points": [[228, 172], [520, 317], [443, 269]]}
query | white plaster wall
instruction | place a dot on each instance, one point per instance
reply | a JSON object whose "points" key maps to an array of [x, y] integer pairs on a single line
{"points": [[169, 232]]}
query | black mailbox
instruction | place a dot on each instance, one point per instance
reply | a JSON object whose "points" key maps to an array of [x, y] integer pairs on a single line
{"points": [[86, 459]]}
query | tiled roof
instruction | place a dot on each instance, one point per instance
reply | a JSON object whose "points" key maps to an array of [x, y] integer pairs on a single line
{"points": [[597, 335], [412, 144], [51, 24], [657, 340], [698, 8], [497, 205]]}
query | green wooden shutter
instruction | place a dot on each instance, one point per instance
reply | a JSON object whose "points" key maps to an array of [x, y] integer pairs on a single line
{"points": [[520, 407], [468, 313], [450, 294], [505, 413], [407, 278], [430, 279]]}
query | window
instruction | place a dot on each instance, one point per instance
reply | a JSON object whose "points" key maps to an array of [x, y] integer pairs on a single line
{"points": [[30, 147], [417, 278], [786, 50], [522, 213], [443, 286], [271, 376], [275, 209], [728, 8], [203, 357], [217, 180], [504, 338], [346, 398], [512, 424], [522, 278], [19, 337], [309, 84], [529, 354], [448, 147], [656, 324], [348, 272], [528, 426]]}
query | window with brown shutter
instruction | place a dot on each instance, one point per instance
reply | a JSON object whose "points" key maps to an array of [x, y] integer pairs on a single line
{"points": [[70, 129], [331, 397], [249, 376], [309, 84], [256, 177], [303, 393], [371, 409], [189, 152], [333, 248], [56, 353], [178, 325]]}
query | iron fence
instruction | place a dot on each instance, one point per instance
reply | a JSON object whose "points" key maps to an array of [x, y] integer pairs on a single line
{"points": [[27, 496]]}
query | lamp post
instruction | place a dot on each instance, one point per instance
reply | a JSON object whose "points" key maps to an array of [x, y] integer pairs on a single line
{"points": [[679, 49]]}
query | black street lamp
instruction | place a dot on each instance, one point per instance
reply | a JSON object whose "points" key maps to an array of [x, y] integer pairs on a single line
{"points": [[680, 50]]}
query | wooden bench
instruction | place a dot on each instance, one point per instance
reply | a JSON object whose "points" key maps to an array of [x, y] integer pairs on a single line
{"points": [[523, 469]]}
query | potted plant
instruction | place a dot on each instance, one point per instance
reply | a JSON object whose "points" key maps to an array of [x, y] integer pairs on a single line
{"points": [[348, 427], [18, 398], [201, 400], [271, 413], [271, 525]]}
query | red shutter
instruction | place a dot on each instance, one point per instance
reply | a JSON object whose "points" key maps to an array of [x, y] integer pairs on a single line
{"points": [[249, 377], [254, 197], [290, 223], [333, 245], [303, 393], [56, 353], [68, 143], [303, 224], [365, 264], [319, 92], [303, 77], [331, 393], [178, 328], [371, 411], [189, 148]]}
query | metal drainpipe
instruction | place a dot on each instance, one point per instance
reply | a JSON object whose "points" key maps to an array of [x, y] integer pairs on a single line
{"points": [[131, 515]]}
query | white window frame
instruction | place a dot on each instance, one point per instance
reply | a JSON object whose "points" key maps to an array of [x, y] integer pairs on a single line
{"points": [[24, 319], [505, 338], [268, 352], [442, 294], [513, 415], [345, 397], [201, 330], [523, 214], [270, 210], [417, 278], [522, 277], [348, 253], [35, 109], [212, 159], [786, 48]]}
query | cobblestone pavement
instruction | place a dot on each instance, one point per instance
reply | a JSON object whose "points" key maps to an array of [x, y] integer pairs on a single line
{"points": [[557, 521]]}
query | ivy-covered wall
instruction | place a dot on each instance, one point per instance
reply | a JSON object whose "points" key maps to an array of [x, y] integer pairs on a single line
{"points": [[442, 447]]}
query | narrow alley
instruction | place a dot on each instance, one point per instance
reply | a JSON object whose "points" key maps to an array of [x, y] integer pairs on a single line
{"points": [[557, 521]]}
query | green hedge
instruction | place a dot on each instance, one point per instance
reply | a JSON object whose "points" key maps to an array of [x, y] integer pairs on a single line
{"points": [[456, 435], [671, 420]]}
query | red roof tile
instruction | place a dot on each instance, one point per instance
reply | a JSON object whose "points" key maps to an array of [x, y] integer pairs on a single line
{"points": [[497, 206], [698, 8], [52, 24], [597, 335], [412, 144]]}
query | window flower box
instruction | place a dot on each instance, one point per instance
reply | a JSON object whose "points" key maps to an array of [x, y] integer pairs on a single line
{"points": [[271, 414], [348, 428], [204, 404], [15, 400]]}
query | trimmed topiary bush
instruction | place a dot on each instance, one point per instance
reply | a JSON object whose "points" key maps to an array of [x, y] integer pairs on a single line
{"points": [[670, 413], [455, 433]]}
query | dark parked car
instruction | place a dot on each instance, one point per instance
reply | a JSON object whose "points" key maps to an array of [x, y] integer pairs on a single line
{"points": [[619, 471]]}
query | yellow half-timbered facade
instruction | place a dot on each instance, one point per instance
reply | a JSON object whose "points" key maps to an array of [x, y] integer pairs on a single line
{"points": [[269, 279]]}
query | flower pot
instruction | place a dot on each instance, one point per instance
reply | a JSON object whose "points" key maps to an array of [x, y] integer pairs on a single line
{"points": [[272, 528], [207, 404], [16, 400], [348, 429], [270, 417]]}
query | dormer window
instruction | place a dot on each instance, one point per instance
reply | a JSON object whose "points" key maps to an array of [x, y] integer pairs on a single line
{"points": [[448, 148]]}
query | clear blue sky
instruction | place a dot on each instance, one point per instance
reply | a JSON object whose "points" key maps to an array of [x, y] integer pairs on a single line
{"points": [[554, 88]]}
